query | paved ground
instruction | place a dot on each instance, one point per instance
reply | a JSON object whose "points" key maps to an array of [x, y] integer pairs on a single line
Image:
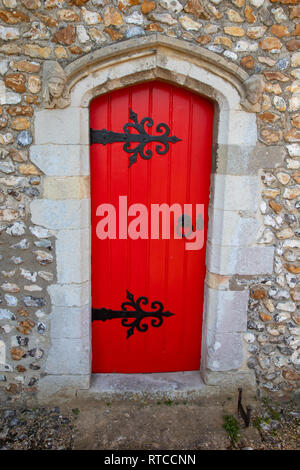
{"points": [[192, 425], [161, 425], [165, 425]]}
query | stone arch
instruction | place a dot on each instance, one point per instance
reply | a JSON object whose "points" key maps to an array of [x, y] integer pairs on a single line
{"points": [[61, 151]]}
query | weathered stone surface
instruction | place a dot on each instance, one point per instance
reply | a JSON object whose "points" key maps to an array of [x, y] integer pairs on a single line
{"points": [[234, 31], [294, 103], [60, 52], [82, 34], [17, 353], [6, 315], [3, 123], [49, 4], [135, 18], [265, 103], [270, 136], [223, 357], [296, 176], [75, 50], [31, 4], [258, 293], [224, 41], [10, 3], [34, 84], [31, 99], [65, 35], [10, 287], [11, 49], [296, 31], [164, 18], [246, 46], [78, 3], [293, 45], [74, 358], [249, 15], [123, 5], [256, 32], [189, 24], [25, 326], [173, 5], [30, 301], [280, 30], [270, 193], [265, 316], [147, 7], [48, 20], [34, 50], [283, 177], [292, 268], [90, 17], [285, 2], [292, 135], [234, 16], [9, 33], [295, 12], [67, 15], [20, 123], [204, 39], [257, 3], [15, 81], [6, 139], [47, 276], [112, 17], [270, 43], [292, 164], [134, 31], [273, 88], [296, 120], [13, 17], [196, 8], [285, 233], [295, 61], [115, 35], [268, 116], [18, 155], [295, 294], [28, 169], [24, 138], [275, 75], [7, 167], [290, 374], [279, 103], [25, 66], [214, 11]]}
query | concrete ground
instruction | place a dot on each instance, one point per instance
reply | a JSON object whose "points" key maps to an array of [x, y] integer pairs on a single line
{"points": [[207, 423], [158, 425], [210, 423]]}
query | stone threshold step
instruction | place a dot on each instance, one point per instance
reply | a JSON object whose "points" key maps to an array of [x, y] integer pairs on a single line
{"points": [[170, 385]]}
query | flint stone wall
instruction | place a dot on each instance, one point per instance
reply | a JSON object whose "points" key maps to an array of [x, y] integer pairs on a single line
{"points": [[38, 256]]}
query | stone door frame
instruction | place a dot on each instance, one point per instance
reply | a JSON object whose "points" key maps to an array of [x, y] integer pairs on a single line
{"points": [[61, 151]]}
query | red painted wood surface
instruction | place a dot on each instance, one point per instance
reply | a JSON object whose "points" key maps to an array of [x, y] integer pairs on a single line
{"points": [[158, 269]]}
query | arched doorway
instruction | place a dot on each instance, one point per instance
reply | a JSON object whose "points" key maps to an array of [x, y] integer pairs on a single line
{"points": [[61, 151]]}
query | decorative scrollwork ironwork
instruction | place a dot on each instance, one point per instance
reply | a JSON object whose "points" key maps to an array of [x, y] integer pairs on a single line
{"points": [[135, 311], [104, 137]]}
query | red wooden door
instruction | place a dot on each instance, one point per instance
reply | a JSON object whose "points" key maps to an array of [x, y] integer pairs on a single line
{"points": [[159, 269]]}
